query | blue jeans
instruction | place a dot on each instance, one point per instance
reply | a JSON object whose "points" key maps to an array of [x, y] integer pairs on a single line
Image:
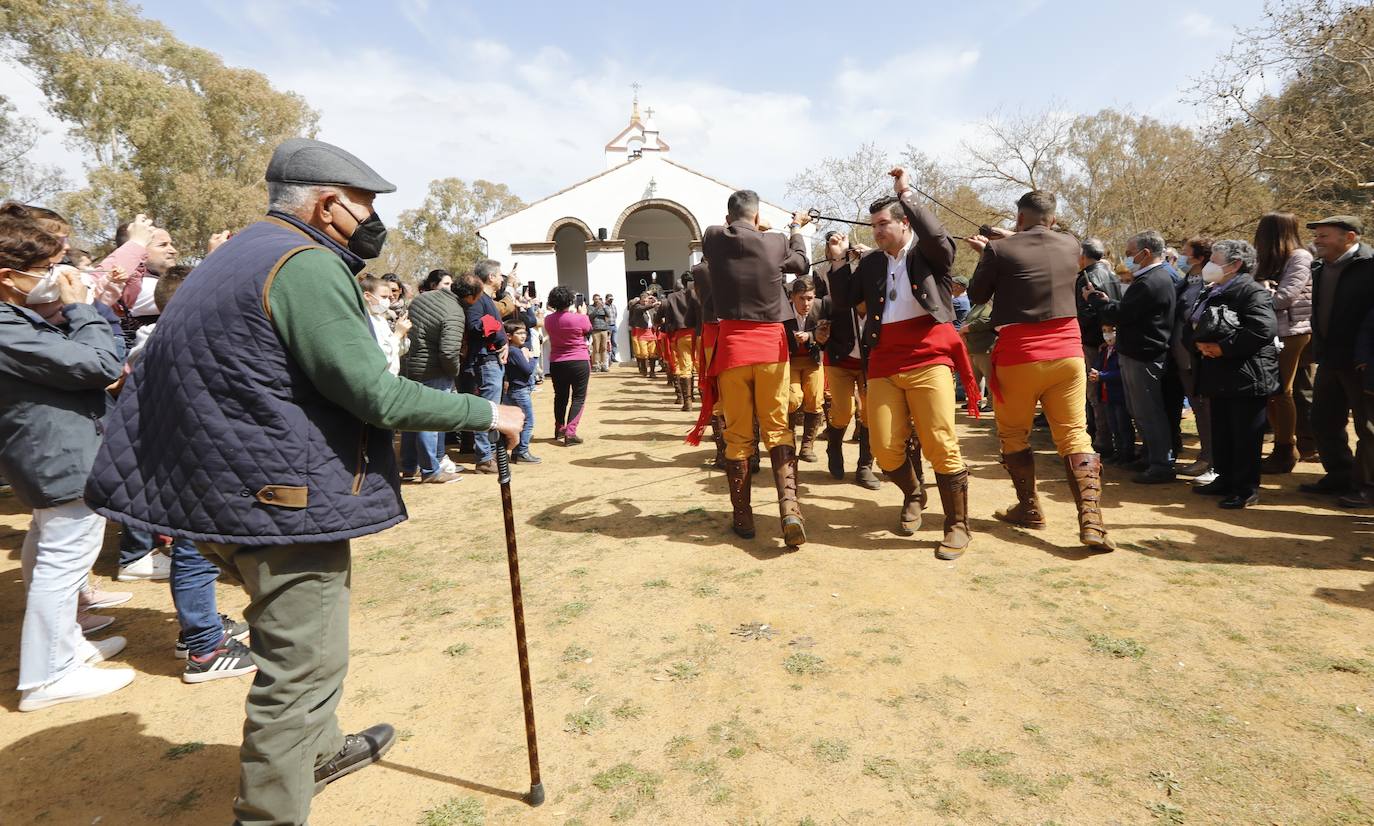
{"points": [[521, 399], [1144, 381], [489, 373], [193, 594], [615, 348], [134, 544], [424, 450]]}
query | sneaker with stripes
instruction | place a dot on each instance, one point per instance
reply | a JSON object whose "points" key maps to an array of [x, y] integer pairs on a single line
{"points": [[233, 629], [231, 659]]}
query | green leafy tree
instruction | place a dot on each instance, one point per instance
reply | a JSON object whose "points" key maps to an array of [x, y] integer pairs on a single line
{"points": [[443, 231], [21, 178], [172, 131]]}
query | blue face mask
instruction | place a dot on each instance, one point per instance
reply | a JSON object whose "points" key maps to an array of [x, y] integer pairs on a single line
{"points": [[1132, 265]]}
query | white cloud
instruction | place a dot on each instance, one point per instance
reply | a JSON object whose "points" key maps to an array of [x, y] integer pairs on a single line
{"points": [[1199, 26]]}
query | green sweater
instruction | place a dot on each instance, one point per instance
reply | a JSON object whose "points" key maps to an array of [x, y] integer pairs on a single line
{"points": [[319, 312]]}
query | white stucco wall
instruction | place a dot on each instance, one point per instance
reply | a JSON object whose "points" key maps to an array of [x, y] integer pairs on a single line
{"points": [[599, 202]]}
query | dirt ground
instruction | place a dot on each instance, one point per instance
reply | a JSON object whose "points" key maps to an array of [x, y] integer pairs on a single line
{"points": [[1218, 668]]}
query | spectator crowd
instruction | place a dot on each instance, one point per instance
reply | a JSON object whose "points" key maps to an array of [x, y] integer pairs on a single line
{"points": [[1273, 334]]}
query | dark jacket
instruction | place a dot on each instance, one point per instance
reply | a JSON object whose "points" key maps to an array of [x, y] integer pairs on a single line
{"points": [[811, 349], [1249, 361], [436, 336], [52, 398], [929, 267], [1109, 377], [1032, 273], [486, 334], [746, 270], [642, 315], [680, 311], [1335, 345], [221, 436], [519, 370], [701, 286], [843, 325], [1100, 277], [1144, 316]]}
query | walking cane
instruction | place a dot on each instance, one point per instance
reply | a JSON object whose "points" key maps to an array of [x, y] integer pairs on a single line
{"points": [[536, 793]]}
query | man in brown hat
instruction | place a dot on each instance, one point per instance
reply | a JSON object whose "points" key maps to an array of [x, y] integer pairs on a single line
{"points": [[1342, 296]]}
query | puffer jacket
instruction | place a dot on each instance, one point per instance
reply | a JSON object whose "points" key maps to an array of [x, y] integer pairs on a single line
{"points": [[437, 322], [1293, 295], [1249, 361]]}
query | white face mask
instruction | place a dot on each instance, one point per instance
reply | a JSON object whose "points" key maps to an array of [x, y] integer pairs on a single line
{"points": [[1212, 273], [45, 291], [1110, 338], [376, 306]]}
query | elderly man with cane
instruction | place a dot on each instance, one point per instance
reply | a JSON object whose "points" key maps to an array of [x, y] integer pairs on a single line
{"points": [[258, 424]]}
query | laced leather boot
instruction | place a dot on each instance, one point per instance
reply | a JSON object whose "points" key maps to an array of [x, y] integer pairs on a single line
{"points": [[737, 476], [953, 489], [905, 479], [1026, 512], [784, 461], [1085, 482], [717, 427]]}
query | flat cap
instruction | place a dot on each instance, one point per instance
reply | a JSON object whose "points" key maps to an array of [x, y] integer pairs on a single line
{"points": [[311, 162], [963, 281], [1349, 223]]}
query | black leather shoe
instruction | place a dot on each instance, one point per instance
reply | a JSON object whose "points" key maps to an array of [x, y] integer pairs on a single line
{"points": [[359, 751], [1217, 487], [1154, 477], [1235, 503], [526, 458], [1326, 485]]}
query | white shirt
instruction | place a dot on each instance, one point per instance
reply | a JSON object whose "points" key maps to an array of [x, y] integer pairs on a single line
{"points": [[388, 341], [898, 299], [144, 304]]}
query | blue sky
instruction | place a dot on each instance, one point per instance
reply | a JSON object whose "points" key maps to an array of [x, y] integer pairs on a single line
{"points": [[527, 93]]}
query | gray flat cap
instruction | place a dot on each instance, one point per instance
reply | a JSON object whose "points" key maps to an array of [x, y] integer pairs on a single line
{"points": [[306, 161]]}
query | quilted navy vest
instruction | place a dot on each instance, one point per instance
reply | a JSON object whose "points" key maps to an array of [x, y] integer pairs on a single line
{"points": [[218, 436]]}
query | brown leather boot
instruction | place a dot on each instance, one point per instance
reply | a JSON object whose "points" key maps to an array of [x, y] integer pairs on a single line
{"points": [[737, 476], [784, 461], [756, 458], [953, 489], [653, 367], [905, 479], [863, 473], [913, 455], [1085, 483], [643, 366], [811, 425], [1026, 512], [1282, 460], [717, 429]]}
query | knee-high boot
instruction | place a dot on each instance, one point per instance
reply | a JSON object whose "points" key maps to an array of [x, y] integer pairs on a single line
{"points": [[863, 472], [1026, 512], [953, 489], [1085, 482], [784, 461], [905, 479], [737, 475]]}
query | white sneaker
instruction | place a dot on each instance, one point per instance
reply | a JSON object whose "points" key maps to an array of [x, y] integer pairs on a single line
{"points": [[156, 565], [1206, 478], [446, 465], [91, 652], [84, 682]]}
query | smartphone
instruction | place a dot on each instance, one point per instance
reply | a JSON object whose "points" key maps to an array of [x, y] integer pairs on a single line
{"points": [[530, 291]]}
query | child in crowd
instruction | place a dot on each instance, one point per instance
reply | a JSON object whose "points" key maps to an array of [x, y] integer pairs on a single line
{"points": [[1106, 379], [519, 382]]}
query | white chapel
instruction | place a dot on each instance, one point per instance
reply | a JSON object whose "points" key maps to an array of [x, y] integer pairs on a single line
{"points": [[636, 223]]}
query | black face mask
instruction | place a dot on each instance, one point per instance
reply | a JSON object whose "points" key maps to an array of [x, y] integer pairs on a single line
{"points": [[368, 237]]}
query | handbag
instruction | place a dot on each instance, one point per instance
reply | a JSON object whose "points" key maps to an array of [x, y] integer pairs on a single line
{"points": [[1218, 323]]}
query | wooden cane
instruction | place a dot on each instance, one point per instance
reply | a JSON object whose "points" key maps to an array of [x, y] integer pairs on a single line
{"points": [[536, 793]]}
